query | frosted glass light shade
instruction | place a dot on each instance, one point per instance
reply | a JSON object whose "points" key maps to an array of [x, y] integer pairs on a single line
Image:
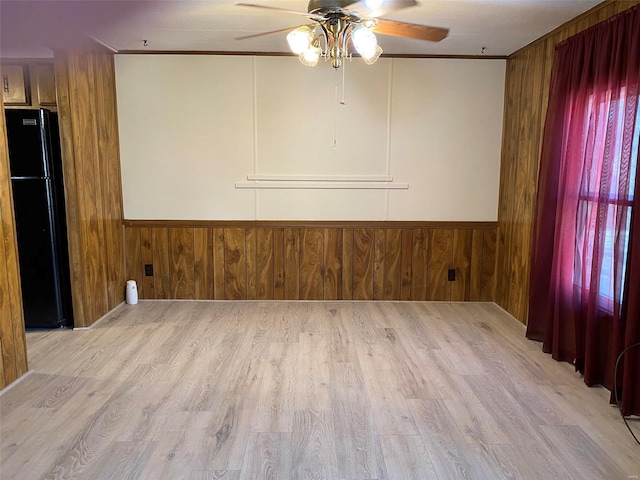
{"points": [[310, 56], [300, 39], [373, 58], [365, 41]]}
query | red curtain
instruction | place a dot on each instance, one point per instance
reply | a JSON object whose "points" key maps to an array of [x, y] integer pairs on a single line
{"points": [[584, 300]]}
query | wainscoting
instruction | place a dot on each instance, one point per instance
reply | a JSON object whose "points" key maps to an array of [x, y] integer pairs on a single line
{"points": [[311, 260]]}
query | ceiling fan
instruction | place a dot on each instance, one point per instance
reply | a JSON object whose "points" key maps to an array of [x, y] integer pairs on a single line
{"points": [[336, 22]]}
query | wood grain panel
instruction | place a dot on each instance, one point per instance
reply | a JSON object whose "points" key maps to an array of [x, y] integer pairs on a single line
{"points": [[440, 259], [72, 206], [507, 178], [264, 264], [108, 147], [134, 258], [487, 274], [110, 177], [475, 281], [406, 264], [9, 349], [218, 264], [379, 256], [203, 263], [392, 266], [333, 264], [181, 258], [104, 149], [292, 263], [605, 12], [363, 252], [251, 251], [419, 251], [462, 252], [42, 74], [524, 201], [146, 256], [13, 351], [161, 268], [85, 83], [347, 264], [84, 134], [526, 95], [278, 263], [235, 267], [311, 264]]}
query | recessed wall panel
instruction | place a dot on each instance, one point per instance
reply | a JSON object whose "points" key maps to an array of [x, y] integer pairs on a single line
{"points": [[186, 125]]}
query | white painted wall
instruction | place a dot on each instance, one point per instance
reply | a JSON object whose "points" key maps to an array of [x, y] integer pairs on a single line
{"points": [[193, 127]]}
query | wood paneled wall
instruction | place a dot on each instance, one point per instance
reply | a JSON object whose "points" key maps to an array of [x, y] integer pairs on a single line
{"points": [[526, 96], [311, 261], [13, 350], [85, 82]]}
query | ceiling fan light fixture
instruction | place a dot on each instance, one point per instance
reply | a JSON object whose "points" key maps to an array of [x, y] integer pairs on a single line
{"points": [[300, 39], [364, 41], [338, 24], [310, 56]]}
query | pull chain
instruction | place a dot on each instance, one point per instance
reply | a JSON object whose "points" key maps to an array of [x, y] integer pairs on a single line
{"points": [[335, 109], [344, 68], [335, 118]]}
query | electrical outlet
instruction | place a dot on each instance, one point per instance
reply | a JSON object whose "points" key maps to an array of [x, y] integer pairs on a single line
{"points": [[148, 270], [451, 275]]}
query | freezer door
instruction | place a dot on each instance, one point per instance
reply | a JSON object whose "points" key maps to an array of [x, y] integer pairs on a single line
{"points": [[39, 271], [26, 133]]}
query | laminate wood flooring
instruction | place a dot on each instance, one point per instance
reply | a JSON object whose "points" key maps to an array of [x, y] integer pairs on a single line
{"points": [[201, 390]]}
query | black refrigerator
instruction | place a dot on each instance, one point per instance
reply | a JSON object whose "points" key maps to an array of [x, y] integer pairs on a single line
{"points": [[38, 200]]}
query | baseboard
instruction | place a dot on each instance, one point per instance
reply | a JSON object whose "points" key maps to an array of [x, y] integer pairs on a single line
{"points": [[524, 326], [110, 312], [15, 382]]}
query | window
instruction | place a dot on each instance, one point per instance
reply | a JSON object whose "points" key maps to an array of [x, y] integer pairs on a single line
{"points": [[605, 198]]}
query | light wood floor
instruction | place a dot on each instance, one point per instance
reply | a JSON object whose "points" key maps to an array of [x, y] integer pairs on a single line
{"points": [[313, 390]]}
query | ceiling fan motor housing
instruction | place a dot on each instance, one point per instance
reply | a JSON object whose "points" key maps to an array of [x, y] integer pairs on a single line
{"points": [[327, 6]]}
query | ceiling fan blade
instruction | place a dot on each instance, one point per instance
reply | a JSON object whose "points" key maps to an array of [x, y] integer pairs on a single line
{"points": [[364, 7], [410, 30], [312, 16], [288, 29]]}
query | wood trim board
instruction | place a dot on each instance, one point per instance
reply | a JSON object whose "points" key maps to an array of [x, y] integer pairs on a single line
{"points": [[309, 223]]}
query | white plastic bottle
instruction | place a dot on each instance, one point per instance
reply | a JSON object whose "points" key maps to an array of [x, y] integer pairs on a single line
{"points": [[132, 292]]}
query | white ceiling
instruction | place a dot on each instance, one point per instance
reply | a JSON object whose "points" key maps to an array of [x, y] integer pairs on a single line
{"points": [[500, 26]]}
